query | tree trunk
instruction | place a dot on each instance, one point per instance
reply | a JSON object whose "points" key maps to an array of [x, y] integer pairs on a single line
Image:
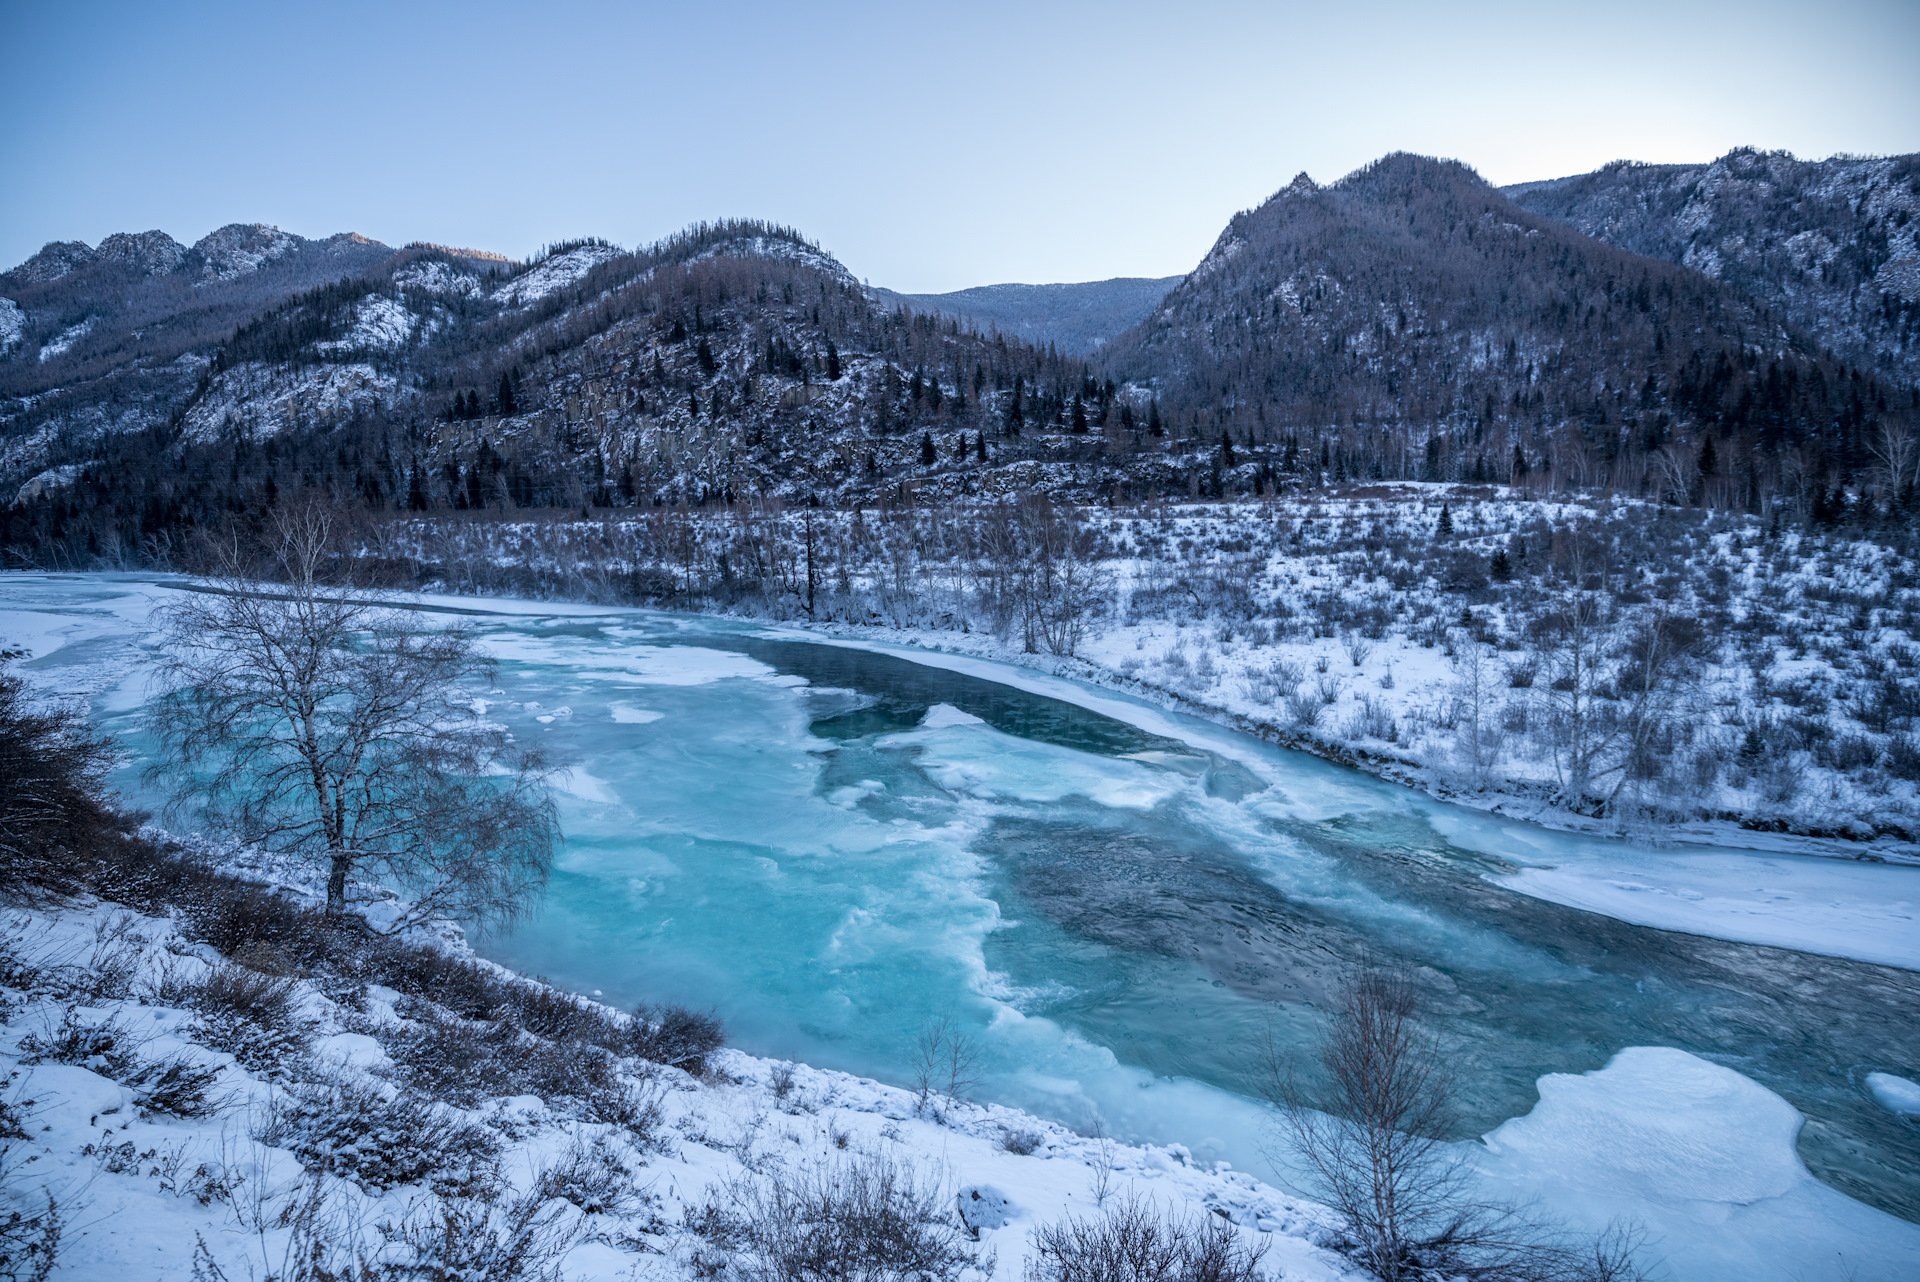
{"points": [[337, 869]]}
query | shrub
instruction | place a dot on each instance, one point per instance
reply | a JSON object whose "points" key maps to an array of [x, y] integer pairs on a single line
{"points": [[675, 1036], [1135, 1243], [442, 1056], [176, 1086], [594, 1176], [866, 1219], [521, 1239], [106, 1047], [1021, 1141], [353, 1130]]}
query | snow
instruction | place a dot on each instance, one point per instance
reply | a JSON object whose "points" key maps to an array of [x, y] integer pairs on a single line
{"points": [[431, 276], [1896, 1094], [265, 400], [627, 714], [53, 478], [555, 273], [682, 665], [12, 322], [380, 324], [1675, 1143], [62, 342]]}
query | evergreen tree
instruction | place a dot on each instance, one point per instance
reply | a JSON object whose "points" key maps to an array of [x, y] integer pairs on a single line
{"points": [[1445, 527], [505, 396], [927, 453], [833, 362]]}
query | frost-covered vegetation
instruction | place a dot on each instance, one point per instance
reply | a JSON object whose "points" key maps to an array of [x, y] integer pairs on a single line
{"points": [[1601, 658]]}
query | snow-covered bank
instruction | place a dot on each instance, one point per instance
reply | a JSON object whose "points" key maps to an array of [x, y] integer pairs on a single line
{"points": [[143, 1191], [1697, 1154]]}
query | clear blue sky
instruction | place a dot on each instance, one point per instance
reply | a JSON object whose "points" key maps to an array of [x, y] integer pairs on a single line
{"points": [[929, 146]]}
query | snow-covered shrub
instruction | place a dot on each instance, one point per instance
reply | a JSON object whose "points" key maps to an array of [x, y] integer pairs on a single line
{"points": [[596, 1176], [176, 1086], [1135, 1242], [441, 1056], [518, 1239], [861, 1219], [355, 1130], [104, 1046], [675, 1036], [634, 1107], [1020, 1141], [251, 1016]]}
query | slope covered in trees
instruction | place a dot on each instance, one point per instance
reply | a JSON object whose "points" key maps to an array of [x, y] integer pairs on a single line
{"points": [[1833, 245], [1410, 320]]}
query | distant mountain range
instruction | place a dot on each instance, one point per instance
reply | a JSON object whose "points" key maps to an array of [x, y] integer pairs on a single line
{"points": [[1737, 333], [1077, 319]]}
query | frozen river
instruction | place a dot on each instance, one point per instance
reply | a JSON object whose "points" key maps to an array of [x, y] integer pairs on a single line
{"points": [[833, 846]]}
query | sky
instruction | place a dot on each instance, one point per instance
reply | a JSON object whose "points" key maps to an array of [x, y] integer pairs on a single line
{"points": [[929, 146]]}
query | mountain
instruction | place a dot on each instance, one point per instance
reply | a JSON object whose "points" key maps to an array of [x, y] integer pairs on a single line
{"points": [[1412, 299], [734, 362], [1832, 245], [1076, 319], [115, 337]]}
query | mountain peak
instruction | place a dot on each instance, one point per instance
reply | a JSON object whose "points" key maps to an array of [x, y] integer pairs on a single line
{"points": [[240, 248], [150, 253], [56, 259]]}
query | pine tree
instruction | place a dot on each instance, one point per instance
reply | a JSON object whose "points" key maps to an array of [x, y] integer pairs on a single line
{"points": [[927, 453], [505, 396], [1445, 527], [833, 362]]}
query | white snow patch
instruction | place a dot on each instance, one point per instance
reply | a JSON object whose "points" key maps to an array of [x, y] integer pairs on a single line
{"points": [[435, 277], [380, 324], [263, 401], [627, 714], [554, 273], [65, 339], [12, 322]]}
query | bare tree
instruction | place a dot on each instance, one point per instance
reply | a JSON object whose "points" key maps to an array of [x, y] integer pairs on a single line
{"points": [[325, 725], [1375, 1147], [1476, 729], [945, 1061]]}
